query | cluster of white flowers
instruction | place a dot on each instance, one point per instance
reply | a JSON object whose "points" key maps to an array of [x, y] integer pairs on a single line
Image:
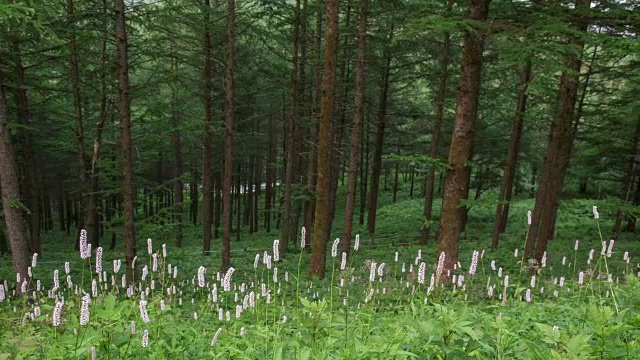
{"points": [[143, 311], [474, 262], [226, 283], [85, 247], [201, 271], [99, 260], [84, 309]]}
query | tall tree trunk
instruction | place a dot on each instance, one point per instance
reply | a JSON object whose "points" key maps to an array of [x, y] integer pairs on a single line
{"points": [[124, 106], [292, 117], [430, 179], [356, 128], [502, 210], [217, 211], [321, 229], [309, 206], [228, 138], [559, 148], [79, 135], [340, 108], [364, 169], [207, 160], [257, 190], [628, 180], [178, 188], [459, 172], [13, 215], [376, 168], [270, 175], [395, 183], [91, 211], [28, 176]]}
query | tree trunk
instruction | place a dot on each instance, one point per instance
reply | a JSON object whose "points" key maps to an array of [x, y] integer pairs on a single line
{"points": [[502, 210], [340, 108], [28, 176], [559, 148], [13, 215], [270, 175], [309, 206], [207, 171], [178, 188], [124, 107], [628, 182], [459, 172], [394, 196], [79, 135], [364, 169], [217, 211], [321, 230], [291, 134], [430, 178], [376, 168], [93, 199], [228, 138], [356, 129]]}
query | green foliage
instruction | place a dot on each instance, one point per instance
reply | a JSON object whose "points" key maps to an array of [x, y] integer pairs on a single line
{"points": [[393, 317]]}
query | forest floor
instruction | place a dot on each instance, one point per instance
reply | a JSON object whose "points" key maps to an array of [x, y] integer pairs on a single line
{"points": [[572, 307]]}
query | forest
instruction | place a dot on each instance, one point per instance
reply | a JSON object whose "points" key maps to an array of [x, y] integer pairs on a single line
{"points": [[500, 131]]}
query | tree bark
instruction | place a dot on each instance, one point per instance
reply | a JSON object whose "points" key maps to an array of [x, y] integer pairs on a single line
{"points": [[559, 148], [292, 129], [356, 128], [376, 167], [79, 135], [28, 174], [91, 211], [13, 215], [502, 210], [459, 172], [124, 107], [394, 196], [207, 171], [178, 187], [309, 206], [628, 182], [228, 139], [321, 230], [270, 175], [437, 134]]}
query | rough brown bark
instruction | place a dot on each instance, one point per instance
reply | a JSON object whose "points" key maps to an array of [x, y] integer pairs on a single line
{"points": [[340, 108], [124, 109], [178, 187], [364, 169], [356, 128], [559, 147], [27, 174], [502, 210], [321, 228], [627, 184], [270, 175], [207, 160], [13, 215], [394, 196], [292, 129], [459, 172], [93, 200], [228, 138], [376, 167], [309, 206], [78, 114], [436, 135]]}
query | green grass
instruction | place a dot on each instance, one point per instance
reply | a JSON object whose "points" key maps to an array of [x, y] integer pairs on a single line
{"points": [[345, 316]]}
